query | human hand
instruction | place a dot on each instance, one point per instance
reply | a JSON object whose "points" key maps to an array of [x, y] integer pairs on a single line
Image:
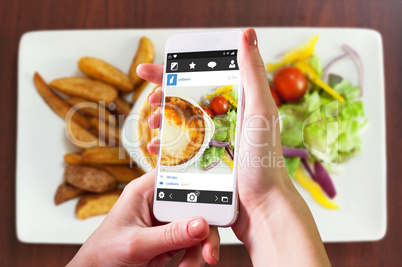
{"points": [[131, 236], [271, 209]]}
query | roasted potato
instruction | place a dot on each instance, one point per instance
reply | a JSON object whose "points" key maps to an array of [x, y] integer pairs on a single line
{"points": [[109, 133], [91, 204], [105, 155], [103, 71], [85, 88], [99, 111], [57, 104], [123, 174], [80, 137], [89, 179], [65, 192], [73, 158], [145, 54], [122, 106]]}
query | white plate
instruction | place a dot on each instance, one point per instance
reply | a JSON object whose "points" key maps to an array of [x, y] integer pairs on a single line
{"points": [[42, 142]]}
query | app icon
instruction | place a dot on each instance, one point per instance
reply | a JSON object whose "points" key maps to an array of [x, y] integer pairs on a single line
{"points": [[161, 194], [191, 197], [171, 79], [232, 65], [174, 66], [212, 64], [192, 65], [225, 199]]}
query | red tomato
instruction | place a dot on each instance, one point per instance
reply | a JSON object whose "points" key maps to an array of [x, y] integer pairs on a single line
{"points": [[276, 97], [291, 83], [208, 111], [219, 105]]}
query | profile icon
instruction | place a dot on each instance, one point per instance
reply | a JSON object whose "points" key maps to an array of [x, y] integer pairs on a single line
{"points": [[232, 65]]}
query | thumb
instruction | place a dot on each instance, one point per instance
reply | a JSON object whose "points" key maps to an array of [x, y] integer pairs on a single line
{"points": [[252, 70], [173, 236]]}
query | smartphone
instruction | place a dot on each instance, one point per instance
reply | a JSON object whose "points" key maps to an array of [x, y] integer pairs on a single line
{"points": [[200, 125]]}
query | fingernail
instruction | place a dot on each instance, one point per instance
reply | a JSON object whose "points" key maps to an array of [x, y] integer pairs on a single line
{"points": [[150, 116], [215, 254], [150, 95], [196, 228], [251, 37]]}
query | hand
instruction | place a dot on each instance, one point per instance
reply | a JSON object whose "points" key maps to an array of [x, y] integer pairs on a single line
{"points": [[130, 236], [274, 221]]}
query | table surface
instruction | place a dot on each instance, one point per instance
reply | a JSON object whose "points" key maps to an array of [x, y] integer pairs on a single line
{"points": [[20, 16]]}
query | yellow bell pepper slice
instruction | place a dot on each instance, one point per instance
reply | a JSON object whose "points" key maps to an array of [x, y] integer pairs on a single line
{"points": [[306, 68], [220, 90], [314, 189], [229, 98], [228, 160], [299, 53]]}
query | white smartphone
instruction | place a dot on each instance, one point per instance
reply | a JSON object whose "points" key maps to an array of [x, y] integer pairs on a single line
{"points": [[200, 125]]}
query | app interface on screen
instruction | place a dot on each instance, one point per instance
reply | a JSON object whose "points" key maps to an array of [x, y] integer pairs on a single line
{"points": [[199, 127]]}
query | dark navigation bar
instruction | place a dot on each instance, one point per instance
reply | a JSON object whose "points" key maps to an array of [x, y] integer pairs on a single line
{"points": [[202, 61], [195, 196]]}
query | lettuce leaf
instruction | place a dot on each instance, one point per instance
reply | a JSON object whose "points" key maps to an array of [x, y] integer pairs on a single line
{"points": [[211, 155], [221, 129], [291, 165], [316, 63]]}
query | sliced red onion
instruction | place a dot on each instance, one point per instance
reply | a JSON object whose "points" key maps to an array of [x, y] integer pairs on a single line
{"points": [[210, 166], [294, 152], [331, 63], [308, 168], [230, 153], [219, 144], [203, 99], [323, 179], [356, 58]]}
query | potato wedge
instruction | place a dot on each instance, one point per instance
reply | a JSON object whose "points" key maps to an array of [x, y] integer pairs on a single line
{"points": [[85, 88], [56, 103], [122, 106], [91, 204], [109, 133], [80, 137], [105, 155], [73, 158], [145, 54], [103, 71], [89, 179], [138, 91], [99, 111], [65, 192], [123, 174]]}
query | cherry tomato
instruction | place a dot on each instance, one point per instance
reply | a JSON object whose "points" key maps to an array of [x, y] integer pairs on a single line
{"points": [[208, 111], [219, 105], [291, 83], [276, 97]]}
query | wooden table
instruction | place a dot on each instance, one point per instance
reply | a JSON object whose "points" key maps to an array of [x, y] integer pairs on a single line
{"points": [[20, 16]]}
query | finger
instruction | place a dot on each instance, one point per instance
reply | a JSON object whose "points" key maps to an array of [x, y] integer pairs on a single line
{"points": [[151, 72], [176, 235], [193, 257], [154, 119], [153, 146], [210, 247], [155, 98], [254, 77]]}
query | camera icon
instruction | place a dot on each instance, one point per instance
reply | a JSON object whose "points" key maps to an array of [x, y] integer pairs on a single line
{"points": [[192, 197]]}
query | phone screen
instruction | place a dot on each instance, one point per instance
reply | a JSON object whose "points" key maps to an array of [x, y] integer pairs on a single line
{"points": [[198, 128]]}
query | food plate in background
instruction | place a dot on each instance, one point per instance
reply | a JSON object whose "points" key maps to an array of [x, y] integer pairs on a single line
{"points": [[41, 141]]}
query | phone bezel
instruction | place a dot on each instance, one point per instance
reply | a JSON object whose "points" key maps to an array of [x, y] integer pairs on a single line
{"points": [[214, 214]]}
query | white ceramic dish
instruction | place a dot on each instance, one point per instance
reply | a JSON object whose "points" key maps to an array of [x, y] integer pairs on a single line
{"points": [[209, 132], [41, 142]]}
